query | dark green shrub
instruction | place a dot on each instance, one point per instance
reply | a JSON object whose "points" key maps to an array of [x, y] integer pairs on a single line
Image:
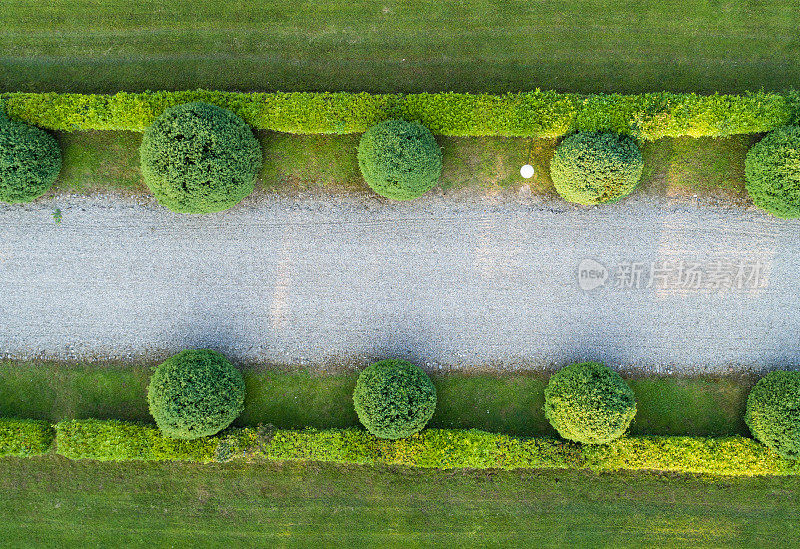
{"points": [[592, 168], [772, 172], [25, 437], [394, 399], [198, 158], [196, 393], [589, 403], [399, 159], [773, 412], [30, 161]]}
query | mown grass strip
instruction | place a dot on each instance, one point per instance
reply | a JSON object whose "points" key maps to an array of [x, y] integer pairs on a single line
{"points": [[386, 46], [714, 168], [55, 502], [295, 399]]}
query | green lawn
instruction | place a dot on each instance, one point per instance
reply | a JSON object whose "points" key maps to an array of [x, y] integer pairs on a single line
{"points": [[54, 502], [510, 404], [399, 45], [100, 161], [308, 162], [706, 167]]}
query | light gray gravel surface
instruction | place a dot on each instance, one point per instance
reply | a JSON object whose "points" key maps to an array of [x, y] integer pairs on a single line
{"points": [[448, 283]]}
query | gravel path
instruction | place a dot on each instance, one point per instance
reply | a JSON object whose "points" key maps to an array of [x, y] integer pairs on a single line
{"points": [[445, 282]]}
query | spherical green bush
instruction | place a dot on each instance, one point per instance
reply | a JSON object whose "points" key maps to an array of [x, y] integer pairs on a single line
{"points": [[30, 160], [394, 399], [399, 159], [592, 168], [772, 172], [196, 393], [773, 412], [589, 403], [198, 158]]}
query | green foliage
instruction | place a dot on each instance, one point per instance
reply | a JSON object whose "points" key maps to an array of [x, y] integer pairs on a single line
{"points": [[198, 158], [309, 161], [589, 403], [773, 412], [441, 448], [772, 171], [195, 393], [30, 160], [394, 399], [592, 168], [106, 440], [399, 159], [431, 448], [533, 114], [25, 437]]}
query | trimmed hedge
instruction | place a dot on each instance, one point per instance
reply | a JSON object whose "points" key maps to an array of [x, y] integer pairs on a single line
{"points": [[772, 172], [399, 159], [431, 448], [30, 161], [198, 158], [596, 167], [25, 437], [536, 114], [442, 448], [111, 440], [589, 403], [394, 398], [773, 412], [195, 393]]}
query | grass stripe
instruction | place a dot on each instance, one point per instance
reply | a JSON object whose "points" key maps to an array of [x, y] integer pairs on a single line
{"points": [[510, 403]]}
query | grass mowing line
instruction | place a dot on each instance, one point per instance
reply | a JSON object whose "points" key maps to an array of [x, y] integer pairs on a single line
{"points": [[52, 501], [510, 404], [400, 45]]}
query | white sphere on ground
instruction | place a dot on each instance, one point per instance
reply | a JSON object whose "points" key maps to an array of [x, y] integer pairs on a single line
{"points": [[526, 171]]}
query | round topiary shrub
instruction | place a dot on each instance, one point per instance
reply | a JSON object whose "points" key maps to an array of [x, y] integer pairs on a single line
{"points": [[773, 412], [592, 168], [589, 403], [772, 172], [198, 158], [30, 161], [399, 159], [394, 399], [196, 393]]}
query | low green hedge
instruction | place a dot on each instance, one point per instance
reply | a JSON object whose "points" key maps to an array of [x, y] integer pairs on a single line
{"points": [[25, 437], [537, 113], [108, 440], [442, 448], [431, 448]]}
